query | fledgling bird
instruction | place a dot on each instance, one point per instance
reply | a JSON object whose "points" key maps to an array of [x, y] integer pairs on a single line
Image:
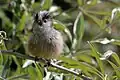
{"points": [[45, 41]]}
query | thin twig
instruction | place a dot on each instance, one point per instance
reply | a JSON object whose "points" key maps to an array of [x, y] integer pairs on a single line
{"points": [[11, 52]]}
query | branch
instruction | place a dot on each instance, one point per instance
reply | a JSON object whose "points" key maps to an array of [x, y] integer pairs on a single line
{"points": [[11, 52]]}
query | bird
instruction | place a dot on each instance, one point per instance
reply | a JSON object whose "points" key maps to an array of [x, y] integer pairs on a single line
{"points": [[45, 41]]}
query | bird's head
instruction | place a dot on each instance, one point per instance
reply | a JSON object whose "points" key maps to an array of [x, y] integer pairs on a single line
{"points": [[43, 18]]}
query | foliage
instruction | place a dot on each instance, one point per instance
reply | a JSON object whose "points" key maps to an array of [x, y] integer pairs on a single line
{"points": [[90, 29]]}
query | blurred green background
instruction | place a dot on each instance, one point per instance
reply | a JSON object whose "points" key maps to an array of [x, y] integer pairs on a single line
{"points": [[90, 29]]}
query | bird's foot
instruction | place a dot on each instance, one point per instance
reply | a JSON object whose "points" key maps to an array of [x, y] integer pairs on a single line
{"points": [[47, 62], [36, 59]]}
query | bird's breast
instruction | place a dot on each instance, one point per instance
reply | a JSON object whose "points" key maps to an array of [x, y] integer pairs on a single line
{"points": [[47, 45]]}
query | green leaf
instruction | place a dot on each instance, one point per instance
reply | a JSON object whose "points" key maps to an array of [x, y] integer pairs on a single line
{"points": [[116, 57], [93, 70], [3, 58], [5, 19], [1, 68], [70, 61], [116, 42], [17, 77], [86, 68], [80, 2], [39, 71], [67, 32], [6, 67], [36, 6], [78, 29], [46, 4], [32, 72], [103, 13], [93, 2], [95, 19], [21, 25], [60, 26], [95, 54], [84, 57], [17, 62], [116, 69]]}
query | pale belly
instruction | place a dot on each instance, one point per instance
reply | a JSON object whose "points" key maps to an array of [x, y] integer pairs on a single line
{"points": [[45, 48]]}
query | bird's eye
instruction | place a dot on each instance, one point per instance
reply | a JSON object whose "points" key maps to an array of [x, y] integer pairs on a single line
{"points": [[39, 22], [45, 20], [46, 17]]}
